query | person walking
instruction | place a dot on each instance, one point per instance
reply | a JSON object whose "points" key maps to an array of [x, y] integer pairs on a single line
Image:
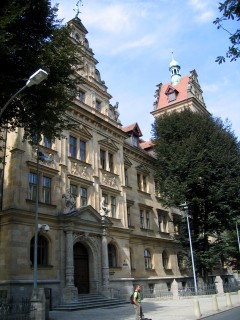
{"points": [[137, 299]]}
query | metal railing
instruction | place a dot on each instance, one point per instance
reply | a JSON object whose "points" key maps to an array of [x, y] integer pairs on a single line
{"points": [[156, 293], [16, 311], [231, 287], [202, 290]]}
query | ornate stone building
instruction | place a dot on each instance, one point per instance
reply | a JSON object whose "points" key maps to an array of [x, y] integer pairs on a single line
{"points": [[97, 194]]}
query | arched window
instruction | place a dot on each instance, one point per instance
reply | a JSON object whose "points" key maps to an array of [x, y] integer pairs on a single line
{"points": [[147, 259], [112, 256], [42, 253], [165, 260]]}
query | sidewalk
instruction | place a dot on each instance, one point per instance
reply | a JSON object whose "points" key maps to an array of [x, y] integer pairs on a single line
{"points": [[182, 309]]}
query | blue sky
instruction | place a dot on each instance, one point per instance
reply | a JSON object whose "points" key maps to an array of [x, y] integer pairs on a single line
{"points": [[133, 41]]}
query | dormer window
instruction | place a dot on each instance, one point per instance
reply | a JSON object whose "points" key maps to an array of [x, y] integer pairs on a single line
{"points": [[172, 96], [134, 140]]}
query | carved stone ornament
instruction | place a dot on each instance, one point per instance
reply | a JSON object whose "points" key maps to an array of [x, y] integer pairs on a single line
{"points": [[109, 180], [70, 201]]}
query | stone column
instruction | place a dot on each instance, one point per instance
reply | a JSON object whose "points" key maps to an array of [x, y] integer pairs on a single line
{"points": [[105, 266], [70, 292], [38, 302]]}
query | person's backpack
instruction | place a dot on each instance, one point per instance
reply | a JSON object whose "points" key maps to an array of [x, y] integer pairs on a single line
{"points": [[131, 298]]}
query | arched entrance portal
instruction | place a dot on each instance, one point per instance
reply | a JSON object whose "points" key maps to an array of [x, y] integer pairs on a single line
{"points": [[81, 268]]}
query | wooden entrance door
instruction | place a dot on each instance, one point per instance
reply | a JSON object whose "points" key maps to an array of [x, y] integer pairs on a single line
{"points": [[81, 268]]}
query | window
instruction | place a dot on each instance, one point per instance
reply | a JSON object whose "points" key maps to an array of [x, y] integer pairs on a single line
{"points": [[73, 147], [78, 148], [147, 220], [32, 179], [74, 191], [165, 260], [103, 159], [135, 140], [112, 256], [106, 160], [129, 216], [47, 143], [46, 190], [144, 219], [162, 221], [180, 260], [98, 105], [42, 251], [82, 96], [172, 97], [111, 203], [142, 182], [113, 206], [126, 177], [110, 162], [45, 186], [147, 259], [141, 219], [83, 196], [82, 150]]}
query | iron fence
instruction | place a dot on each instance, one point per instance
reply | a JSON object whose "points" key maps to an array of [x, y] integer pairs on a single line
{"points": [[156, 293], [16, 311], [202, 290], [231, 287]]}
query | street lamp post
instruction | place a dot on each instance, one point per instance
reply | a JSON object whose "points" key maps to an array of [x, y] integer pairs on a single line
{"points": [[184, 208], [36, 78]]}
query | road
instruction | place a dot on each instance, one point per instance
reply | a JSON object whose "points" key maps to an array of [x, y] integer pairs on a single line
{"points": [[233, 314]]}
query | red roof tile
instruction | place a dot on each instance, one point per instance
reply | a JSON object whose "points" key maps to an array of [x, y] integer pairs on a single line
{"points": [[146, 144], [181, 93], [133, 128]]}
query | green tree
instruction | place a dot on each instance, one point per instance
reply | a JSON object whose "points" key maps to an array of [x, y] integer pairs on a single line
{"points": [[198, 161], [230, 10], [31, 37]]}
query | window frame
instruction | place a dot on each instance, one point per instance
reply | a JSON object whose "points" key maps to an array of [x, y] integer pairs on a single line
{"points": [[147, 259], [112, 255]]}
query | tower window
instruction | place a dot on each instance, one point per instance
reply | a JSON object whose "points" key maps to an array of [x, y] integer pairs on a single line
{"points": [[172, 97]]}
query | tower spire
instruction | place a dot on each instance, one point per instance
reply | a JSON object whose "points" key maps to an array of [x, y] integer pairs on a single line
{"points": [[174, 68]]}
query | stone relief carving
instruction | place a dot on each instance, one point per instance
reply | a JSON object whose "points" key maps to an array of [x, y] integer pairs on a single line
{"points": [[70, 201], [80, 170], [109, 180]]}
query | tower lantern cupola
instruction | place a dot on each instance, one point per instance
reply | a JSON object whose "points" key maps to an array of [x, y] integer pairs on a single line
{"points": [[174, 68]]}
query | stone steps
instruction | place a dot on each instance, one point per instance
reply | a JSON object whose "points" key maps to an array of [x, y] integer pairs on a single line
{"points": [[90, 301]]}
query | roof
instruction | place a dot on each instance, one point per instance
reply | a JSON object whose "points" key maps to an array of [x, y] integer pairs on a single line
{"points": [[146, 144], [181, 89], [134, 127]]}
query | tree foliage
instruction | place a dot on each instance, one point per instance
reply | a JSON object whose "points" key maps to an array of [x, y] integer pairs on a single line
{"points": [[31, 37], [198, 161], [230, 10]]}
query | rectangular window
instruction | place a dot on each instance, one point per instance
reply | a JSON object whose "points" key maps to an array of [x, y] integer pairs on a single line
{"points": [[129, 216], [113, 206], [144, 181], [82, 150], [82, 96], [159, 220], [139, 182], [134, 140], [83, 196], [126, 177], [73, 147], [172, 97], [32, 179], [47, 143], [105, 196], [110, 162], [141, 219], [46, 190], [147, 220], [103, 159], [98, 105]]}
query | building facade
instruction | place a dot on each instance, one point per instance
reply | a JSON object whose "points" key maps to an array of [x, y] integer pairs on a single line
{"points": [[108, 229]]}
